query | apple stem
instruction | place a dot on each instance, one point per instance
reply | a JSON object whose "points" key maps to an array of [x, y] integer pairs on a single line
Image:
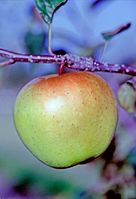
{"points": [[61, 67], [69, 61]]}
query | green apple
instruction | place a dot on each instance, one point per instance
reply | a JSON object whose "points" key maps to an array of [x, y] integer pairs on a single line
{"points": [[67, 119]]}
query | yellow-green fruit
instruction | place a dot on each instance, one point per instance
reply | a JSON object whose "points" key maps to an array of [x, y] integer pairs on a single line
{"points": [[66, 119]]}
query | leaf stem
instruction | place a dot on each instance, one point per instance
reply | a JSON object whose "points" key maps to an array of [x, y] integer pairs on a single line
{"points": [[50, 38], [104, 50]]}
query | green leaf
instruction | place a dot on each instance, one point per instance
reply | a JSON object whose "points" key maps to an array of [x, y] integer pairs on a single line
{"points": [[48, 7]]}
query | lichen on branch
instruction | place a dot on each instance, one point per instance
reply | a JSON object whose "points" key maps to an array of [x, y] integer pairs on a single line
{"points": [[69, 61]]}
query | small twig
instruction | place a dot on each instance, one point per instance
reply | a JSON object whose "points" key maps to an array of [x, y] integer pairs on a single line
{"points": [[17, 57], [70, 61], [6, 63]]}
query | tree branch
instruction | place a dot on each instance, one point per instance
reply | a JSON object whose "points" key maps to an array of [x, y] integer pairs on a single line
{"points": [[70, 61]]}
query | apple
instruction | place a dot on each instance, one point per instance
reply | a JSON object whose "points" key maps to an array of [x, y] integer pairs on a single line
{"points": [[66, 119]]}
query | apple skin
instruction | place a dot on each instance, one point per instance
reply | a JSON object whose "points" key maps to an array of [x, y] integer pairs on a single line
{"points": [[65, 120]]}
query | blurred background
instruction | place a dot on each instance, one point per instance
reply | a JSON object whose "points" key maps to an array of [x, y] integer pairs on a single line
{"points": [[78, 28]]}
